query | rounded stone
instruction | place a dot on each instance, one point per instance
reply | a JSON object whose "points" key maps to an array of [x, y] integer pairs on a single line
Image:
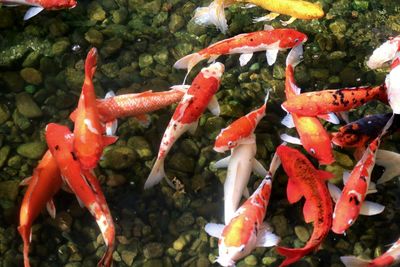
{"points": [[27, 106], [33, 150], [302, 233], [153, 250], [251, 260], [31, 75]]}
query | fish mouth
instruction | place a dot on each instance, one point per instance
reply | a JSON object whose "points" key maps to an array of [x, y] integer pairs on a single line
{"points": [[220, 149]]}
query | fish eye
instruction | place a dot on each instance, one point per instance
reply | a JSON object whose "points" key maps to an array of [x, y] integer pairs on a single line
{"points": [[231, 143], [296, 40], [312, 151]]}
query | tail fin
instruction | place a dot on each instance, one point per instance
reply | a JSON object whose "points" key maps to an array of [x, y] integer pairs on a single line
{"points": [[109, 237], [295, 56], [213, 14], [156, 174], [25, 233], [292, 254], [352, 261], [274, 165], [91, 63], [390, 161]]}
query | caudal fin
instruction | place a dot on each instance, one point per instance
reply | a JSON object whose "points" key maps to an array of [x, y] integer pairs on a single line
{"points": [[91, 63], [25, 233], [213, 14], [292, 254], [352, 261], [390, 161], [156, 174]]}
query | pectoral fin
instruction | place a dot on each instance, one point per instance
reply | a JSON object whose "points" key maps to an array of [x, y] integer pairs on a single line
{"points": [[245, 58], [193, 127], [309, 211], [33, 11], [213, 106], [265, 237], [291, 139], [334, 191], [222, 163], [371, 208], [293, 192], [214, 229], [258, 168], [51, 208], [288, 121], [272, 53]]}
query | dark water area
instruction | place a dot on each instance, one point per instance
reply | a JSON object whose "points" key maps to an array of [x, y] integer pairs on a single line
{"points": [[41, 76]]}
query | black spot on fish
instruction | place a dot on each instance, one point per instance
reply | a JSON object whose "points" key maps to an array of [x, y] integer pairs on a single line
{"points": [[355, 199], [362, 177], [56, 147], [362, 101], [74, 156], [354, 101]]}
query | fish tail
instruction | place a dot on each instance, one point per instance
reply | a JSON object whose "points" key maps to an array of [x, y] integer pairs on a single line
{"points": [[156, 174], [25, 233], [213, 14], [390, 161], [91, 63], [352, 261], [292, 254], [295, 56], [109, 236]]}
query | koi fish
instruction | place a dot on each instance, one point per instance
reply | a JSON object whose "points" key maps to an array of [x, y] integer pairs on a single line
{"points": [[270, 40], [351, 202], [39, 5], [88, 131], [305, 180], [240, 138], [389, 258], [187, 113], [313, 136], [384, 53], [358, 133], [326, 101], [246, 230], [214, 14], [82, 183], [42, 186], [392, 82]]}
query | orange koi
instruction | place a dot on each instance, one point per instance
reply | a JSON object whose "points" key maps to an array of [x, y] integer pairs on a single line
{"points": [[270, 40], [42, 186], [326, 101], [305, 180], [82, 183], [313, 136], [246, 230], [88, 131]]}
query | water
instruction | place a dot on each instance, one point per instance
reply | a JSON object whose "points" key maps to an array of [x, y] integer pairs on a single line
{"points": [[41, 74]]}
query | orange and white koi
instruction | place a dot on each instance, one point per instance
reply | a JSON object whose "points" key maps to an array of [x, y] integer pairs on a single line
{"points": [[384, 53], [350, 203], [270, 40], [305, 180], [42, 186], [389, 258], [200, 94], [326, 101], [297, 9], [39, 5], [246, 230], [392, 82], [313, 136], [88, 131], [240, 138], [82, 183]]}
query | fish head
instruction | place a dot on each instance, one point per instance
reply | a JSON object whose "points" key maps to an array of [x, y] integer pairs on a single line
{"points": [[319, 148], [346, 211], [56, 131], [228, 255], [226, 140], [349, 139], [292, 38], [214, 70], [289, 158], [384, 53]]}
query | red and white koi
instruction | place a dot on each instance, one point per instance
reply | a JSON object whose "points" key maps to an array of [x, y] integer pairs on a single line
{"points": [[89, 141], [384, 53], [313, 136], [39, 5], [270, 40], [82, 183], [305, 180], [246, 230], [239, 137], [350, 203], [393, 85], [389, 258], [200, 94], [42, 186]]}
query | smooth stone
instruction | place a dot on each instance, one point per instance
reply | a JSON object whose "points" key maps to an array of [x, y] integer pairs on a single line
{"points": [[4, 113], [153, 250], [33, 150], [27, 106], [4, 152], [32, 76], [302, 233], [9, 190]]}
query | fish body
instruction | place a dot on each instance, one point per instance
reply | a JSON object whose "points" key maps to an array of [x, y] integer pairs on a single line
{"points": [[88, 131], [326, 101], [246, 230], [271, 40], [393, 86], [384, 53], [305, 180], [136, 104], [313, 136], [389, 258], [82, 183], [43, 185], [39, 5], [358, 133], [187, 113]]}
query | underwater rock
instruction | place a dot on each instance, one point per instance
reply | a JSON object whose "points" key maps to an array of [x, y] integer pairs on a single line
{"points": [[268, 260], [94, 37], [4, 152], [33, 150], [111, 46], [128, 256], [161, 56], [27, 106], [281, 226], [141, 147], [21, 121], [118, 157], [119, 16], [15, 162], [176, 22], [32, 76], [60, 47], [181, 162], [185, 220], [6, 18], [251, 260], [31, 59], [9, 190], [338, 28], [96, 12], [12, 81], [145, 60], [153, 250], [189, 147], [302, 233], [74, 78], [4, 113]]}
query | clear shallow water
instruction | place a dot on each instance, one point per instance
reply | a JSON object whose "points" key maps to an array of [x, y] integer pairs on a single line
{"points": [[41, 62]]}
